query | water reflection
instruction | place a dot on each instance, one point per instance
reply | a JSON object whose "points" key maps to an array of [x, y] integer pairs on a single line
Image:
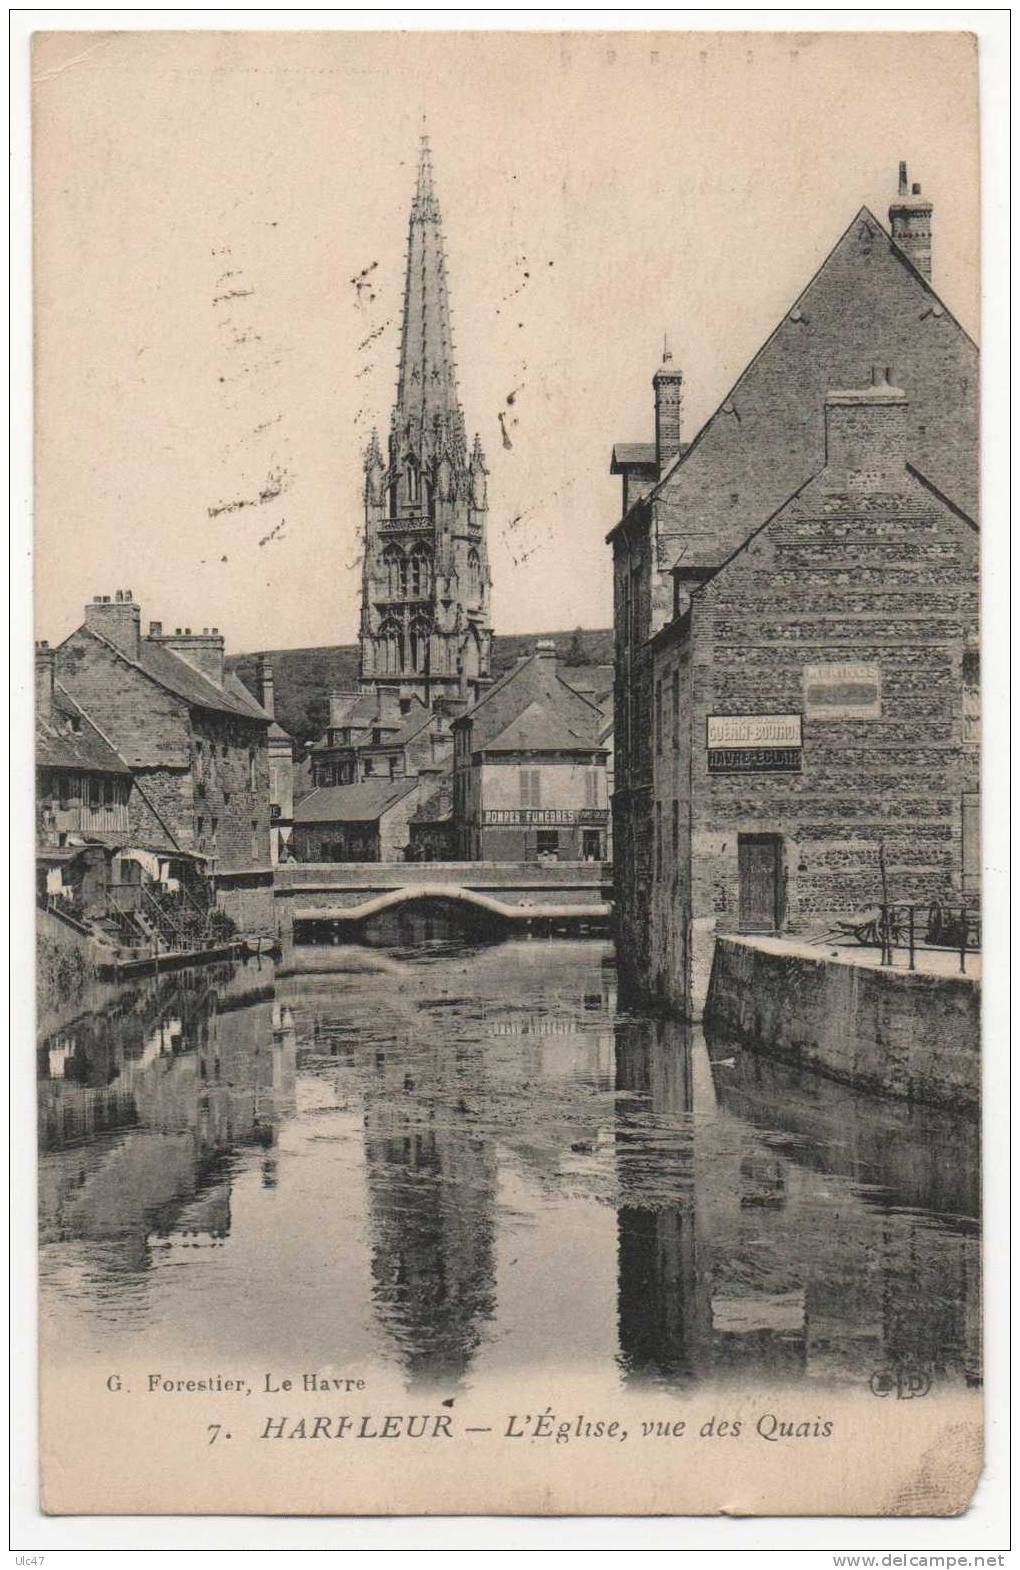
{"points": [[461, 1159]]}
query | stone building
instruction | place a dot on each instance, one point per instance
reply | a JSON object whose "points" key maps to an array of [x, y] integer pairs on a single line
{"points": [[425, 619], [530, 769], [194, 740], [379, 736], [813, 744], [366, 822], [871, 301]]}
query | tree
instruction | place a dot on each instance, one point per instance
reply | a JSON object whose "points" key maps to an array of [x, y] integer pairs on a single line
{"points": [[577, 654]]}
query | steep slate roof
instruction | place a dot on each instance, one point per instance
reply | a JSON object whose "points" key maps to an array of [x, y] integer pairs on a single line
{"points": [[363, 803], [866, 305], [534, 680], [407, 732], [591, 681], [542, 728], [235, 686], [176, 676], [59, 747]]}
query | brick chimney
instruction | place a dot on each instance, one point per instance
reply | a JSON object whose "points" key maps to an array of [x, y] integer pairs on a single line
{"points": [[866, 434], [264, 683], [45, 671], [910, 222], [203, 651], [118, 620], [668, 383]]}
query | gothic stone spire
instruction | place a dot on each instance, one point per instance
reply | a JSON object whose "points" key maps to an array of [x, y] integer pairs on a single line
{"points": [[426, 383]]}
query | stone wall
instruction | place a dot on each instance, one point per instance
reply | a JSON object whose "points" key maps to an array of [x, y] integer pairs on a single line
{"points": [[894, 1032]]}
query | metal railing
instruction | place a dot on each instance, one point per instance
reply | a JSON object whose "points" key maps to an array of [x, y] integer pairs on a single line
{"points": [[910, 927]]}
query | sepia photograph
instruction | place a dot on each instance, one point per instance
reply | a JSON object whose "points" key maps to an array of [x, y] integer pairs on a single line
{"points": [[507, 759]]}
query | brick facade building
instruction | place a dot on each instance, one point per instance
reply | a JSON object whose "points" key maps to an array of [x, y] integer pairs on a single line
{"points": [[871, 301], [194, 739], [813, 741]]}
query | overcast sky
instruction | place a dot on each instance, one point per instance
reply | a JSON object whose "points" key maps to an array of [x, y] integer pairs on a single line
{"points": [[219, 266]]}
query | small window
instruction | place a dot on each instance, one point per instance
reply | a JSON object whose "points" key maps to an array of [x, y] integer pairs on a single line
{"points": [[591, 788], [548, 842]]}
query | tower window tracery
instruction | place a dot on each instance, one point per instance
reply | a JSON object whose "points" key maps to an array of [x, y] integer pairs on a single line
{"points": [[391, 647], [420, 574], [394, 570], [421, 630]]}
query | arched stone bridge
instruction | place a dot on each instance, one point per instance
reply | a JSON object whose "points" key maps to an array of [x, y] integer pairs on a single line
{"points": [[516, 894]]}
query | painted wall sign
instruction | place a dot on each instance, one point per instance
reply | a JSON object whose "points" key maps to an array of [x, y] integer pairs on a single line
{"points": [[842, 692], [754, 760], [753, 730], [542, 817]]}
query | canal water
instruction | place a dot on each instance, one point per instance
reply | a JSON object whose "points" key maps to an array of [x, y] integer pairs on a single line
{"points": [[461, 1161]]}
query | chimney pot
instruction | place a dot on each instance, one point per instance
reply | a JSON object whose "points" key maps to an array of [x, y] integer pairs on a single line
{"points": [[117, 620], [910, 217], [667, 384]]}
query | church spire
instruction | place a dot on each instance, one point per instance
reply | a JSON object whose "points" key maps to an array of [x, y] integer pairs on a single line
{"points": [[426, 381]]}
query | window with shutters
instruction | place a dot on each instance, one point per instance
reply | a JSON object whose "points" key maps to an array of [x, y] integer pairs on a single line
{"points": [[531, 788], [591, 788]]}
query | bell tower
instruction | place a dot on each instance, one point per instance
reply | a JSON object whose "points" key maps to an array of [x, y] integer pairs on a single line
{"points": [[425, 599]]}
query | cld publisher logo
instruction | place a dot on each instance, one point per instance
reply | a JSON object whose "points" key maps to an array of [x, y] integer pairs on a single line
{"points": [[906, 1384]]}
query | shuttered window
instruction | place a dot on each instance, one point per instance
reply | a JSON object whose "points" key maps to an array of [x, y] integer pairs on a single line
{"points": [[531, 788]]}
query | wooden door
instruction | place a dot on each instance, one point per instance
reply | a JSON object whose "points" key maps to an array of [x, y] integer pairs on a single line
{"points": [[759, 858]]}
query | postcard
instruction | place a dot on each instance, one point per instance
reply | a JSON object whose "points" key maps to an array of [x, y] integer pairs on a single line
{"points": [[507, 724]]}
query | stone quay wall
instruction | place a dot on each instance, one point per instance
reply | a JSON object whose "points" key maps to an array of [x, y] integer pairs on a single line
{"points": [[892, 1032]]}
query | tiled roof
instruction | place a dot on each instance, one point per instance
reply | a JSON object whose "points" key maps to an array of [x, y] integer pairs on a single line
{"points": [[58, 746], [352, 803]]}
